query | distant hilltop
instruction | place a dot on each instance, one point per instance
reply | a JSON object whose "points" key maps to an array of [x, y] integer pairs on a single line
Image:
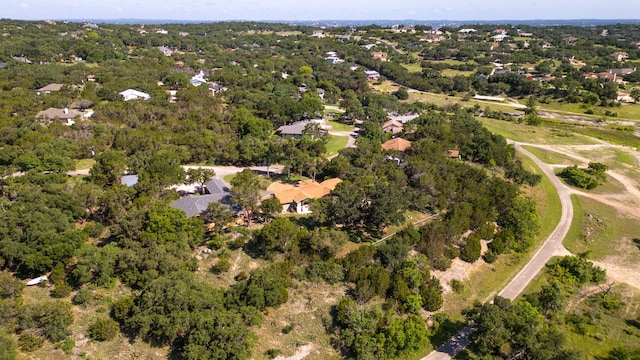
{"points": [[334, 23]]}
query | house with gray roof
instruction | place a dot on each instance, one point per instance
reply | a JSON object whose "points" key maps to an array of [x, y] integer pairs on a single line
{"points": [[49, 88], [293, 130], [215, 190]]}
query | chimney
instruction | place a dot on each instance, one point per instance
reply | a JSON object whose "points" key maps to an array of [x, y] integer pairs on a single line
{"points": [[65, 111]]}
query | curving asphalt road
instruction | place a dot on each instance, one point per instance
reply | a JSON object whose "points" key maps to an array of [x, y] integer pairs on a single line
{"points": [[529, 271]]}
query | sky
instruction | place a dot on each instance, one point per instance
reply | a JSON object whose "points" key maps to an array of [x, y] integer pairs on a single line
{"points": [[220, 10]]}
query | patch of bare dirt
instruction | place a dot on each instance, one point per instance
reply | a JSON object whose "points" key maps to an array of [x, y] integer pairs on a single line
{"points": [[300, 354], [622, 273], [459, 270]]}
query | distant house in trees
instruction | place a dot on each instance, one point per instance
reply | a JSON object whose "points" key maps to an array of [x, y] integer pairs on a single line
{"points": [[353, 66], [320, 93], [372, 75], [379, 55], [214, 190], [215, 88], [453, 154], [21, 59], [198, 79], [392, 126], [129, 180], [66, 116], [90, 25], [619, 56], [3, 65], [398, 144], [49, 89], [167, 51], [318, 33], [131, 94], [624, 97], [292, 196]]}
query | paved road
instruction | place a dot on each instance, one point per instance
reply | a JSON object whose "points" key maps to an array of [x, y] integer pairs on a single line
{"points": [[529, 271]]}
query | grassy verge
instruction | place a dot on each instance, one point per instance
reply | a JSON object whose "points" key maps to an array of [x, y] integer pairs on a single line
{"points": [[550, 157], [229, 177], [335, 144], [84, 164]]}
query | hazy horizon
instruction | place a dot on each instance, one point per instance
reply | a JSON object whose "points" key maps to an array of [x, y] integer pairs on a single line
{"points": [[290, 10]]}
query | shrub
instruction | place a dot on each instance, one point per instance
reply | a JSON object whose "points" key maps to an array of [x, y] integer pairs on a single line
{"points": [[66, 346], [272, 353], [456, 285], [83, 296], [121, 308], [222, 266], [61, 290], [490, 257], [29, 342], [7, 347], [289, 328], [471, 251], [103, 329]]}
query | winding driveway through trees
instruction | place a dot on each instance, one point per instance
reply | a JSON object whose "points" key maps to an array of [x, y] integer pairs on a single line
{"points": [[529, 271]]}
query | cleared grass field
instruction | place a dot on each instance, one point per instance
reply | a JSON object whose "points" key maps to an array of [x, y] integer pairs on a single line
{"points": [[629, 112], [550, 157], [535, 134], [601, 230]]}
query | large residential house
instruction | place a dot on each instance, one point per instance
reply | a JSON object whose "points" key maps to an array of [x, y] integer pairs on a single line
{"points": [[398, 144], [292, 197], [66, 116], [296, 129], [132, 94], [49, 89], [214, 190], [619, 56]]}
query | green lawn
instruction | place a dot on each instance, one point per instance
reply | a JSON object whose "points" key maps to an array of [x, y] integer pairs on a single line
{"points": [[340, 126], [414, 68], [335, 144]]}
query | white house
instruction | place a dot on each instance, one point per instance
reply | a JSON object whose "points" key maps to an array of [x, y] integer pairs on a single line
{"points": [[131, 94], [66, 116], [198, 79], [372, 74]]}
